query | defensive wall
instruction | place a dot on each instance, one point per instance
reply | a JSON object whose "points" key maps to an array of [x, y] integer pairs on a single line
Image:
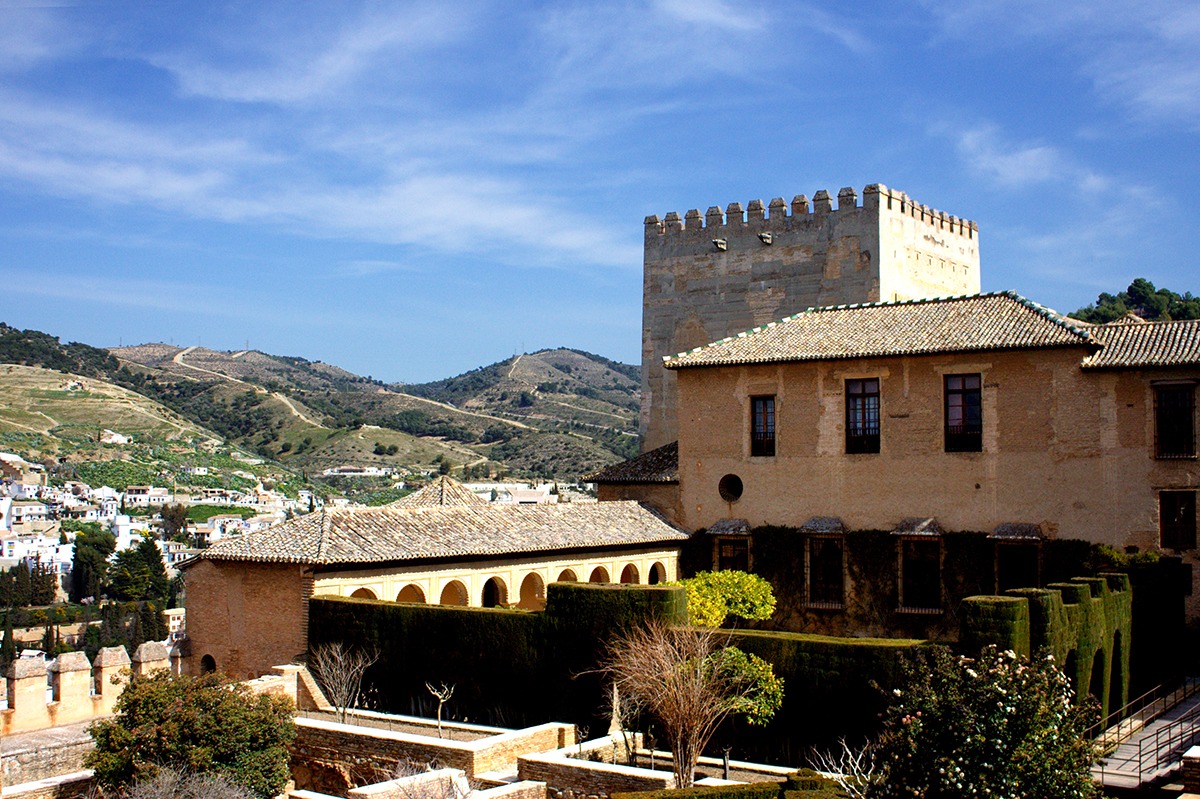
{"points": [[712, 275]]}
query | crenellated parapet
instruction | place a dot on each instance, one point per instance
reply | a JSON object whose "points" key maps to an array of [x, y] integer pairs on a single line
{"points": [[782, 216]]}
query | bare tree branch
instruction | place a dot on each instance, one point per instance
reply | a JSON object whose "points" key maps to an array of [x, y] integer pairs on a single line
{"points": [[340, 672], [852, 769], [686, 679]]}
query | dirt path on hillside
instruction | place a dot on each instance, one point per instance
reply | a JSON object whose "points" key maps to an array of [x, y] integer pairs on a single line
{"points": [[178, 359]]}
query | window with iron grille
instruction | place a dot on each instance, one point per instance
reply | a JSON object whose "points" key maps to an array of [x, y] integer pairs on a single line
{"points": [[824, 571], [733, 553], [1177, 519], [964, 413], [920, 574], [862, 415], [1175, 421], [762, 425]]}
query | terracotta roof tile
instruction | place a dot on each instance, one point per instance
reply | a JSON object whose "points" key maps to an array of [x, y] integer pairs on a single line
{"points": [[390, 534], [1129, 344], [976, 322], [659, 465], [443, 491]]}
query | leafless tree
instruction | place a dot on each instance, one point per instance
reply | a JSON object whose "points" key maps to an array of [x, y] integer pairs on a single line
{"points": [[680, 677], [852, 769], [169, 784], [443, 694], [340, 672]]}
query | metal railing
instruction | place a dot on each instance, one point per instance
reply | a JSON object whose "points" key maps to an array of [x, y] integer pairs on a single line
{"points": [[1155, 751], [1147, 707]]}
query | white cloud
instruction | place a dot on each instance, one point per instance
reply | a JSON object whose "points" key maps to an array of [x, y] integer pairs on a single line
{"points": [[1017, 165]]}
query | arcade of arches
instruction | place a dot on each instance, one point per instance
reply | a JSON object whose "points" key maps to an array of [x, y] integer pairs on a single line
{"points": [[518, 583]]}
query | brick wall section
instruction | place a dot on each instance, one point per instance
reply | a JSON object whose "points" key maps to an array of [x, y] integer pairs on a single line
{"points": [[332, 758], [567, 777], [1191, 770], [221, 596]]}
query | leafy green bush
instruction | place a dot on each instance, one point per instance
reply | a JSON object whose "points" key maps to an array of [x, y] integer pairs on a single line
{"points": [[194, 724]]}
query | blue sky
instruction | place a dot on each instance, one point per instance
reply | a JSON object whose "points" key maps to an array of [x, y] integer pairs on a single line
{"points": [[413, 190]]}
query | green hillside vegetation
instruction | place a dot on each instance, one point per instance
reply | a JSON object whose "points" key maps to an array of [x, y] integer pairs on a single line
{"points": [[1142, 299], [554, 413]]}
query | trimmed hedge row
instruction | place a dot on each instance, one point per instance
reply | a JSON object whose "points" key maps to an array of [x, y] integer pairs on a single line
{"points": [[512, 667], [509, 667]]}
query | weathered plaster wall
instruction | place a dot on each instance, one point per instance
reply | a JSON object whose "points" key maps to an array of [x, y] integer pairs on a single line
{"points": [[1067, 449], [887, 248]]}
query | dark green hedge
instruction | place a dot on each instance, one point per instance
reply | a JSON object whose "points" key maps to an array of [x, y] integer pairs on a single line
{"points": [[509, 667], [1002, 621]]}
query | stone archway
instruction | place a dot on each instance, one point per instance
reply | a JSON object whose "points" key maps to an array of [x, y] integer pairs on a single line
{"points": [[533, 592], [411, 594], [629, 575], [495, 593], [567, 576], [454, 593], [364, 593], [207, 664], [599, 575], [658, 574]]}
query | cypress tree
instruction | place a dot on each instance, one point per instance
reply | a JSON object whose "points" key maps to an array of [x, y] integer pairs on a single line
{"points": [[8, 648], [23, 590]]}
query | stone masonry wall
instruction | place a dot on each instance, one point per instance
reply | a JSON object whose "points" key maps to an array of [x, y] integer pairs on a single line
{"points": [[713, 275]]}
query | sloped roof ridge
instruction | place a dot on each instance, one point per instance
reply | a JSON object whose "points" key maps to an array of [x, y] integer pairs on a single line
{"points": [[1048, 314]]}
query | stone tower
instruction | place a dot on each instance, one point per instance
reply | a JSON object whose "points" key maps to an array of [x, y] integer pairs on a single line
{"points": [[714, 275]]}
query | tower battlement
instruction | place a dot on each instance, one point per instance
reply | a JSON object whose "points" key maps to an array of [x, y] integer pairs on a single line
{"points": [[780, 215], [710, 275]]}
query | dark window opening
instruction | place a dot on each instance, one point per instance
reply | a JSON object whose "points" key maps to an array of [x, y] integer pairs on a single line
{"points": [[824, 572], [964, 413], [1017, 566], [207, 664], [1177, 519], [733, 553], [1175, 421], [762, 425], [920, 574], [862, 416]]}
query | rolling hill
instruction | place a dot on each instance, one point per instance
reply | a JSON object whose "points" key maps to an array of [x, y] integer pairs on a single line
{"points": [[555, 413]]}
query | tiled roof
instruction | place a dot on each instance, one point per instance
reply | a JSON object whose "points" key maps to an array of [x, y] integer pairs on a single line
{"points": [[1129, 344], [917, 526], [389, 534], [443, 491], [977, 322], [656, 466]]}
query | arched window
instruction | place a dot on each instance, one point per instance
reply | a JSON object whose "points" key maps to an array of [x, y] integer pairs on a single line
{"points": [[207, 664], [495, 594], [629, 575], [455, 593], [533, 592], [599, 575], [411, 593], [658, 574], [364, 593], [567, 576]]}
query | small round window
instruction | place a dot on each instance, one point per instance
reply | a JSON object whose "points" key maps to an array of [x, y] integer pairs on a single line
{"points": [[730, 488]]}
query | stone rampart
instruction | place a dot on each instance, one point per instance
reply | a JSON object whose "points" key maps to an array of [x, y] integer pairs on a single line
{"points": [[43, 694]]}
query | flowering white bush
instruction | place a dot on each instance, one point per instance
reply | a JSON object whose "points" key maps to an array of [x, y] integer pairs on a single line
{"points": [[995, 727]]}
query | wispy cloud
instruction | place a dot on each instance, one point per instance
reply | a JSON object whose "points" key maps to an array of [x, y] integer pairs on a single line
{"points": [[1015, 165], [1140, 55]]}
